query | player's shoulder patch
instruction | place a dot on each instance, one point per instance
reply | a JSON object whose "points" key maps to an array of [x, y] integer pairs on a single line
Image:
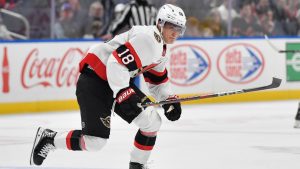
{"points": [[157, 37]]}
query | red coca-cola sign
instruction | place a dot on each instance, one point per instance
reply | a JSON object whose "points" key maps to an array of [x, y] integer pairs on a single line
{"points": [[5, 72], [53, 71]]}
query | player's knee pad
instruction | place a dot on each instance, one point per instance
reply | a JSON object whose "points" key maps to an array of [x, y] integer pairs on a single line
{"points": [[148, 120], [93, 143]]}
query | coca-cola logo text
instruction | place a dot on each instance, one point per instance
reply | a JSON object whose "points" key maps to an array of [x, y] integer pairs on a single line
{"points": [[51, 71]]}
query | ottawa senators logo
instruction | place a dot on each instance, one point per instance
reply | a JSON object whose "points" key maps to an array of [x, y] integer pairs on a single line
{"points": [[106, 121], [157, 37]]}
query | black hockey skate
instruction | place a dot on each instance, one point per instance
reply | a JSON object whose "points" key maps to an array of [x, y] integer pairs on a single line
{"points": [[297, 118], [43, 144], [133, 165]]}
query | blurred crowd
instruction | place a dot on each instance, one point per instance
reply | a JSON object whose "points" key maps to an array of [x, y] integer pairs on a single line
{"points": [[246, 18], [64, 19]]}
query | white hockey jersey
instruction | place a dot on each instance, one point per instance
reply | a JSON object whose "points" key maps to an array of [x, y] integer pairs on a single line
{"points": [[139, 50]]}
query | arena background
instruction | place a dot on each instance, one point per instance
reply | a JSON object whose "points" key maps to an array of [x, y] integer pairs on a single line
{"points": [[224, 48]]}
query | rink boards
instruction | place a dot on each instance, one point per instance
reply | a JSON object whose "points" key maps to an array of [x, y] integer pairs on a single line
{"points": [[41, 76], [65, 105]]}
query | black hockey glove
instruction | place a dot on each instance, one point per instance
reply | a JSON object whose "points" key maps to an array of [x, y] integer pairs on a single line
{"points": [[129, 101], [172, 111]]}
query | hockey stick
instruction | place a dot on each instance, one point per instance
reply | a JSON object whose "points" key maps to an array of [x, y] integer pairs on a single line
{"points": [[275, 83], [278, 50]]}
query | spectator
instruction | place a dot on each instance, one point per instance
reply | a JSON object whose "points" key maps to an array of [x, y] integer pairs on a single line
{"points": [[66, 27], [267, 22], [262, 7], [37, 13], [298, 19], [246, 24], [286, 19], [8, 4], [217, 25], [205, 29], [192, 27], [94, 23], [78, 12], [79, 15], [225, 11]]}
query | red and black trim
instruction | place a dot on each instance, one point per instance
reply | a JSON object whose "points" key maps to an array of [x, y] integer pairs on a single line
{"points": [[127, 56], [155, 77], [92, 60], [73, 140], [143, 142]]}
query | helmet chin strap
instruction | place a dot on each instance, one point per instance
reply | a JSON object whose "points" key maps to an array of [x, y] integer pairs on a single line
{"points": [[161, 24]]}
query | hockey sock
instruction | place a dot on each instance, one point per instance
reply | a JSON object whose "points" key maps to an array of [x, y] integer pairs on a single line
{"points": [[73, 140], [69, 140], [142, 147]]}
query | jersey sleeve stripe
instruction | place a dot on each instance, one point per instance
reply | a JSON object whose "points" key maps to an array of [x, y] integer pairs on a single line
{"points": [[127, 56], [92, 60], [115, 54], [155, 77], [156, 73], [155, 82]]}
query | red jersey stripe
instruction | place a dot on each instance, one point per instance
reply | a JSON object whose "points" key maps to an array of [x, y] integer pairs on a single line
{"points": [[157, 73], [92, 60], [115, 54]]}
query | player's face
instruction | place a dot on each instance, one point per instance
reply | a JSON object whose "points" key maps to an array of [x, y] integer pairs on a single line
{"points": [[171, 32]]}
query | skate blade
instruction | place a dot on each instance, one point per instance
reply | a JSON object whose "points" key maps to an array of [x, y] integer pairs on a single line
{"points": [[37, 137], [297, 124]]}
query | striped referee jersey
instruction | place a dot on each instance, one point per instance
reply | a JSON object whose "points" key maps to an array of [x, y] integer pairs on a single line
{"points": [[137, 12]]}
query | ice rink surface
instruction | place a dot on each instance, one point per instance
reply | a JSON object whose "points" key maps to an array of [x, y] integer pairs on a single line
{"points": [[214, 136]]}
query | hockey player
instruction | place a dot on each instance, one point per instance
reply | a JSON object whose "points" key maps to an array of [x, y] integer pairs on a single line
{"points": [[105, 84]]}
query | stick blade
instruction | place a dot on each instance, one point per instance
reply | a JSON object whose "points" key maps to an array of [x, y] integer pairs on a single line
{"points": [[276, 82]]}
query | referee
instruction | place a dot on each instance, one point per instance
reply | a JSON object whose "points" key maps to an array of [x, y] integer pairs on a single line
{"points": [[137, 12]]}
